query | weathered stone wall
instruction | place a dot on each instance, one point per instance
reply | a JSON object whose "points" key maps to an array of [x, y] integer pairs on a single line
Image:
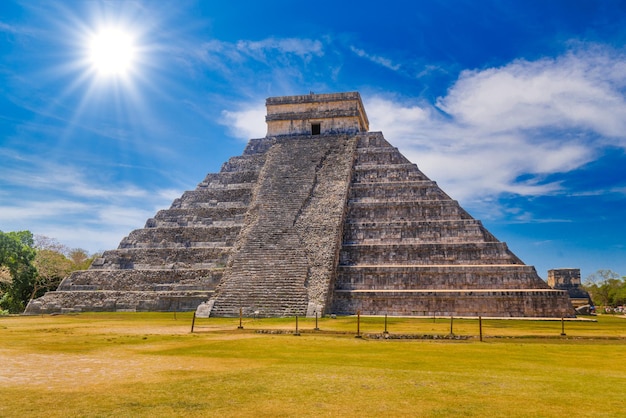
{"points": [[454, 231], [569, 281], [335, 113], [564, 278], [193, 217], [448, 277], [143, 280], [162, 258], [182, 237], [474, 253], [390, 211], [488, 303], [110, 301]]}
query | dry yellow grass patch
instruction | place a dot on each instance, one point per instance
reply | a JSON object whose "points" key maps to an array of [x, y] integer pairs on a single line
{"points": [[111, 365]]}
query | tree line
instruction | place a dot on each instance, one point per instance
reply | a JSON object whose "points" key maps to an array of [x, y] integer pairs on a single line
{"points": [[31, 265], [606, 288]]}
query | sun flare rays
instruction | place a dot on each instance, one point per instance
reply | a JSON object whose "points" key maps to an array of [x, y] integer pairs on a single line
{"points": [[112, 51]]}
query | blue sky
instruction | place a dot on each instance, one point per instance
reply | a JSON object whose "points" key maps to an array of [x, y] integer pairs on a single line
{"points": [[516, 108]]}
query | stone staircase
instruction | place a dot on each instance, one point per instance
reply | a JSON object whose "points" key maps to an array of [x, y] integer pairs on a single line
{"points": [[286, 254]]}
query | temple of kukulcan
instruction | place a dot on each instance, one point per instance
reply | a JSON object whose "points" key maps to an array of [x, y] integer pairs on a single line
{"points": [[320, 216]]}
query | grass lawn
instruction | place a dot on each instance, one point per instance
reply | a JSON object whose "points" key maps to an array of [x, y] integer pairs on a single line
{"points": [[149, 364]]}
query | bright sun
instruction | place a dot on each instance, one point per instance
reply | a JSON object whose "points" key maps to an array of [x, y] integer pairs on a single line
{"points": [[112, 52]]}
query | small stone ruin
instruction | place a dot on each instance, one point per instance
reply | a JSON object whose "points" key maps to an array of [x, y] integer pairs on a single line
{"points": [[568, 279]]}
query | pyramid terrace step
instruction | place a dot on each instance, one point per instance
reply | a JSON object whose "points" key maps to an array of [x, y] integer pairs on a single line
{"points": [[258, 146], [372, 139], [385, 148], [160, 258], [188, 236], [240, 194], [400, 172], [177, 204], [223, 186], [497, 303], [416, 277], [135, 280], [111, 301], [396, 191], [252, 162], [211, 216], [229, 177], [380, 156], [463, 230], [395, 183], [429, 253], [408, 210]]}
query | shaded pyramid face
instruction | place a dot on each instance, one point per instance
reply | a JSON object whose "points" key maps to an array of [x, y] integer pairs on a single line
{"points": [[320, 216]]}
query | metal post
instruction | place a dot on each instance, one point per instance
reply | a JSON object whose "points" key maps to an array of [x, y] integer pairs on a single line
{"points": [[451, 322], [316, 327], [297, 333], [240, 323], [358, 324], [480, 327], [193, 322], [562, 327], [385, 331]]}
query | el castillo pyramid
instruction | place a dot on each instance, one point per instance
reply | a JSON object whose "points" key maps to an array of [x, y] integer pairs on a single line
{"points": [[320, 216]]}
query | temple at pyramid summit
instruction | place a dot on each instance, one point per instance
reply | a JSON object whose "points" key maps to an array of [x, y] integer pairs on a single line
{"points": [[320, 216]]}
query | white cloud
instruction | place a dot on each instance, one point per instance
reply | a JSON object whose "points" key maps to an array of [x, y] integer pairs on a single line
{"points": [[123, 217], [218, 53], [91, 238], [526, 119], [8, 28], [246, 123], [304, 48], [76, 208], [581, 90], [93, 226], [67, 180], [377, 59], [18, 29], [12, 213]]}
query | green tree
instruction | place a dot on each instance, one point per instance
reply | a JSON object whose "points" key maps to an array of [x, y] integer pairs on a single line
{"points": [[32, 265], [81, 260], [16, 256], [54, 261], [52, 267], [606, 288]]}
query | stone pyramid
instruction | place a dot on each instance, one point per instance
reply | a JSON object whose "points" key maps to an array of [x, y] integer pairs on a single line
{"points": [[320, 216]]}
